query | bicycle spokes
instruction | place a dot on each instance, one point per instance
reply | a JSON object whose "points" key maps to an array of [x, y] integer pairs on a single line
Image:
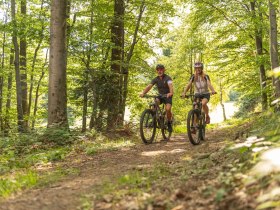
{"points": [[147, 126], [193, 127], [164, 130]]}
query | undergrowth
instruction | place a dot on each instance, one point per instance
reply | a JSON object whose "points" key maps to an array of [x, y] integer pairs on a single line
{"points": [[32, 159]]}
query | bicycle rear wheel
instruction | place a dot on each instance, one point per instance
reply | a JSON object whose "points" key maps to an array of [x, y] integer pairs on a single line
{"points": [[164, 131], [147, 126], [193, 127]]}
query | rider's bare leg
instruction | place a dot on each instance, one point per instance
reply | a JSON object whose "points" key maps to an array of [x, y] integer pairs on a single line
{"points": [[168, 112], [205, 109], [204, 106]]}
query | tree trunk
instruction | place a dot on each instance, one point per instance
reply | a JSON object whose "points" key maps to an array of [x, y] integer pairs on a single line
{"points": [[9, 94], [273, 47], [95, 100], [22, 64], [259, 47], [116, 59], [17, 70], [34, 61], [221, 99], [87, 71], [57, 95], [85, 101], [191, 67], [2, 79], [96, 97], [37, 91], [129, 56]]}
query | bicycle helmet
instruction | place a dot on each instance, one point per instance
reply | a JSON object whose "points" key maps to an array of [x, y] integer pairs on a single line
{"points": [[198, 64], [160, 66]]}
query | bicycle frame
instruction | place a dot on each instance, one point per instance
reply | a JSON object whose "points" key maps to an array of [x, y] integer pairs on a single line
{"points": [[154, 118], [196, 117], [155, 106]]}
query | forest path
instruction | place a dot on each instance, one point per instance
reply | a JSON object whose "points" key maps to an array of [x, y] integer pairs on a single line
{"points": [[95, 170]]}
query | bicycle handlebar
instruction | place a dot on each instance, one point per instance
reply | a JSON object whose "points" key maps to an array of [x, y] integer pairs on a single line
{"points": [[155, 96], [197, 94]]}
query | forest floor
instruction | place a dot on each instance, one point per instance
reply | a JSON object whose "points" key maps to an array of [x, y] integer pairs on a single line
{"points": [[164, 175]]}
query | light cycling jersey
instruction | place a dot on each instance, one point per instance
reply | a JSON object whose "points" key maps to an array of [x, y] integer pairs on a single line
{"points": [[201, 85]]}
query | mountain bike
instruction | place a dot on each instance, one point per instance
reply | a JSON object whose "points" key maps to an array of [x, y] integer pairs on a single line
{"points": [[196, 120], [152, 118]]}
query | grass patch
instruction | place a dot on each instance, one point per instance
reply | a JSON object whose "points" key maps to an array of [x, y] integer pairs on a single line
{"points": [[180, 129], [92, 147], [26, 160], [29, 179], [134, 183], [17, 182], [50, 177]]}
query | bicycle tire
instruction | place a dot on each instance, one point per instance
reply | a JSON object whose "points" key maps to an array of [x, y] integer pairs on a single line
{"points": [[202, 126], [148, 120], [164, 131], [192, 130]]}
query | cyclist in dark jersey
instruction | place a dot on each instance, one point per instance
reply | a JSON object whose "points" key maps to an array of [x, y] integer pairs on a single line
{"points": [[165, 87], [202, 85]]}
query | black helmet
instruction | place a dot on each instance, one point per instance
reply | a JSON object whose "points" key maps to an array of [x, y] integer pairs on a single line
{"points": [[160, 66], [198, 64]]}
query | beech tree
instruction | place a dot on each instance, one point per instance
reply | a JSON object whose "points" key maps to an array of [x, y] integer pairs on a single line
{"points": [[23, 63], [117, 33], [274, 48], [57, 94], [21, 126]]}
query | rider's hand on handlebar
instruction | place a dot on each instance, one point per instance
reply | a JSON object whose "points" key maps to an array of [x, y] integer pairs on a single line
{"points": [[183, 95], [213, 92]]}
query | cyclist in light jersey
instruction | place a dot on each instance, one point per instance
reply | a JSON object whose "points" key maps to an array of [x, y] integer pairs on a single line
{"points": [[202, 85]]}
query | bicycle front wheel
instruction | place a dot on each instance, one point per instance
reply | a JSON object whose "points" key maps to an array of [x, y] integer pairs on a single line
{"points": [[193, 127], [148, 126], [202, 126], [164, 130]]}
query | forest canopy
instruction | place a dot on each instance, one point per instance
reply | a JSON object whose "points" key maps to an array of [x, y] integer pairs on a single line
{"points": [[109, 53]]}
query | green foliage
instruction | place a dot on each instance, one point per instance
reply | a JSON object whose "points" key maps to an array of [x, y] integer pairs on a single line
{"points": [[17, 182], [233, 95], [267, 124], [180, 129], [56, 155], [220, 194], [101, 143], [247, 105], [135, 182], [268, 205], [56, 136], [50, 177]]}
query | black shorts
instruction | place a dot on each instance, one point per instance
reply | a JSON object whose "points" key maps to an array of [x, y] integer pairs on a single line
{"points": [[202, 96], [165, 100]]}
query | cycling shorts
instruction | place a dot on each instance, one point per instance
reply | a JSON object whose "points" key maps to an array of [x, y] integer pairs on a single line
{"points": [[165, 100], [202, 96]]}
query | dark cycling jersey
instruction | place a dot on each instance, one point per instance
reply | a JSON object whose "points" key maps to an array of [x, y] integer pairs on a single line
{"points": [[162, 84]]}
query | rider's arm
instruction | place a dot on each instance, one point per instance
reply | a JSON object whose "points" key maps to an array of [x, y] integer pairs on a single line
{"points": [[188, 86], [170, 85], [146, 90], [211, 87]]}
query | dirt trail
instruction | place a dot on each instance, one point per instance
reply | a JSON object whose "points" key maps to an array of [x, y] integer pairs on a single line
{"points": [[66, 194]]}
